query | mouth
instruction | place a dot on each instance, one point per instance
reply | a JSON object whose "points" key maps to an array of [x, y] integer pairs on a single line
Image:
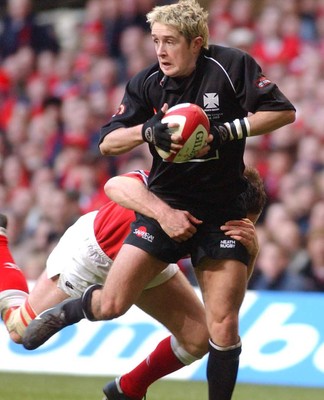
{"points": [[165, 64]]}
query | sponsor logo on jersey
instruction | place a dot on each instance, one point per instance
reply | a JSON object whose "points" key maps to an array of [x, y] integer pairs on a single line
{"points": [[262, 82], [227, 244], [211, 101], [142, 233], [121, 110], [11, 265]]}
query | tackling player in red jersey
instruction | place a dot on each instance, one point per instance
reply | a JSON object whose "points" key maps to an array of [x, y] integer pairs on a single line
{"points": [[111, 225], [168, 356]]}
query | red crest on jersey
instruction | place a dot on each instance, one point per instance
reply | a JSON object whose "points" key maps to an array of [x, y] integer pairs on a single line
{"points": [[262, 81], [121, 110]]}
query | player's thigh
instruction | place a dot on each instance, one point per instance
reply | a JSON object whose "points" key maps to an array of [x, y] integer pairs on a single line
{"points": [[177, 306], [223, 286], [129, 274], [45, 293]]}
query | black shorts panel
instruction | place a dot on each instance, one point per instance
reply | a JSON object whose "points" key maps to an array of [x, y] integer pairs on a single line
{"points": [[209, 241], [147, 234]]}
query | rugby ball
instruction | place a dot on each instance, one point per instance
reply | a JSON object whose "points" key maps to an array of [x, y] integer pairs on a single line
{"points": [[193, 128]]}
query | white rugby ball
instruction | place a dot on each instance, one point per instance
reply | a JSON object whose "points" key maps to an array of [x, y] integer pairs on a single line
{"points": [[193, 128]]}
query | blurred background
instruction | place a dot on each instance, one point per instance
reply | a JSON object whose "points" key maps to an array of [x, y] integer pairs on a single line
{"points": [[63, 70]]}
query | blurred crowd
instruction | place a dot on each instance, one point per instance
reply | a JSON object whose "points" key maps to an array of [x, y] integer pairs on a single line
{"points": [[62, 75]]}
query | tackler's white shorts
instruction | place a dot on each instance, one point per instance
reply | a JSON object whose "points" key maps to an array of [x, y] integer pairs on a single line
{"points": [[80, 262]]}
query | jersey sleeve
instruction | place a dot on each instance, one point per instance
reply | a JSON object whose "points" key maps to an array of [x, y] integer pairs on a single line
{"points": [[254, 90], [139, 174], [133, 109]]}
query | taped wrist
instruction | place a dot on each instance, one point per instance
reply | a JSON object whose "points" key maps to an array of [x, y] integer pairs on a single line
{"points": [[86, 301], [17, 319], [238, 129]]}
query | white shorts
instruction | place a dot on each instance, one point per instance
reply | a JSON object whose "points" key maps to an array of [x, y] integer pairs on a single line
{"points": [[80, 262]]}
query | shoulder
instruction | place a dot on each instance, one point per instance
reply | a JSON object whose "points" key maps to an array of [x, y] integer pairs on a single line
{"points": [[147, 75], [223, 54], [223, 50]]}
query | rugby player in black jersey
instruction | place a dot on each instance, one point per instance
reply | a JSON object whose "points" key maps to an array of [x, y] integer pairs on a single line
{"points": [[240, 102]]}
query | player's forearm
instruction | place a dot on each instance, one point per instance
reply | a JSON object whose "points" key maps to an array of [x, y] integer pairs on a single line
{"points": [[251, 264], [121, 141], [268, 121], [132, 194], [257, 124]]}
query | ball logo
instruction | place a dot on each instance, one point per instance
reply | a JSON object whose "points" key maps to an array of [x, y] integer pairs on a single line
{"points": [[193, 128], [199, 140]]}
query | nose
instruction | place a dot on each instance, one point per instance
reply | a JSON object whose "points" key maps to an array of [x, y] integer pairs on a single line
{"points": [[160, 49]]}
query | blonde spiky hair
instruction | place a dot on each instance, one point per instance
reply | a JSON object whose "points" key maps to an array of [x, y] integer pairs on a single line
{"points": [[187, 16]]}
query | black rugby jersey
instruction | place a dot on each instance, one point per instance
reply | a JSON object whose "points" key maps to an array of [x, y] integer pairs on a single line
{"points": [[227, 84]]}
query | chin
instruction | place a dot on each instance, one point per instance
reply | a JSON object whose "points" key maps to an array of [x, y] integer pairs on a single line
{"points": [[169, 72]]}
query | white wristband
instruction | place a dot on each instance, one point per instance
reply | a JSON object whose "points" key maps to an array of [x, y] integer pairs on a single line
{"points": [[238, 129]]}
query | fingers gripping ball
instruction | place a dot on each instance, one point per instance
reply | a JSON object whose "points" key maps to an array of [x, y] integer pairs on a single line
{"points": [[193, 128]]}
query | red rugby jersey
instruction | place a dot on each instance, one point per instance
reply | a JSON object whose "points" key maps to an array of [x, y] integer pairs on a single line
{"points": [[112, 223]]}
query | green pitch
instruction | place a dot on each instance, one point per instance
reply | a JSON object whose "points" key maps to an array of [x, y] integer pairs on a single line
{"points": [[52, 387]]}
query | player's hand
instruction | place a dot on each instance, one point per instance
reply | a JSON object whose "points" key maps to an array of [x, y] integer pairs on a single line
{"points": [[204, 150], [244, 231], [179, 225], [156, 132], [220, 135], [217, 136]]}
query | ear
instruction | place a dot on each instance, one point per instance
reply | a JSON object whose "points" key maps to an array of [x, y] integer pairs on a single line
{"points": [[197, 43]]}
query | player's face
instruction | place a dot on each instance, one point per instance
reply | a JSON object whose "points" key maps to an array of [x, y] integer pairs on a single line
{"points": [[177, 58]]}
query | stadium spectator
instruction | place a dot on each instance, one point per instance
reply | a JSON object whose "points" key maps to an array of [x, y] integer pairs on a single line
{"points": [[272, 271], [21, 29], [276, 42], [313, 269]]}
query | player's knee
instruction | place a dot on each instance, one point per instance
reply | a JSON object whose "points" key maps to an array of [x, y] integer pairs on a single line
{"points": [[198, 350], [224, 331], [193, 338], [197, 345], [112, 309], [188, 352]]}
